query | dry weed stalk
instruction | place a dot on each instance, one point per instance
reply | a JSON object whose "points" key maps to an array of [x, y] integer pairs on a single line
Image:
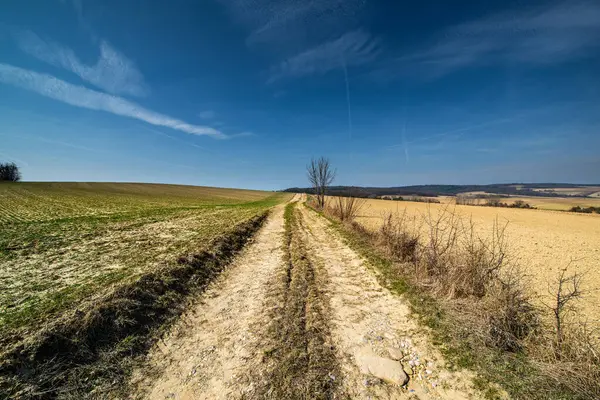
{"points": [[346, 208]]}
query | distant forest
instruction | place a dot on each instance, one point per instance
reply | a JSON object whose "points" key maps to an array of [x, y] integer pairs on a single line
{"points": [[525, 189]]}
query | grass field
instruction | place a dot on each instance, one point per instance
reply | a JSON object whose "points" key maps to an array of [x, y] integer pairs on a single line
{"points": [[541, 241], [63, 242]]}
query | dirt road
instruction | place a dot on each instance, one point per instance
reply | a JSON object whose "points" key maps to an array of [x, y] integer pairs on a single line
{"points": [[298, 315]]}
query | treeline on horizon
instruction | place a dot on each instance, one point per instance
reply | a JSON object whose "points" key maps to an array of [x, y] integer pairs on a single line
{"points": [[447, 190]]}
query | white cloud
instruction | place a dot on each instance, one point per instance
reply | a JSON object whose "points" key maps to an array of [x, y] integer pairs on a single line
{"points": [[80, 96], [113, 72], [353, 48], [207, 114], [536, 36]]}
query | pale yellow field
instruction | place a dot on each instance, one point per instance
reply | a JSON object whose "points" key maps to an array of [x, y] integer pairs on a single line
{"points": [[541, 241]]}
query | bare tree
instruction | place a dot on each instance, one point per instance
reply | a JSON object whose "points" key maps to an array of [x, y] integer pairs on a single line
{"points": [[9, 172], [320, 174]]}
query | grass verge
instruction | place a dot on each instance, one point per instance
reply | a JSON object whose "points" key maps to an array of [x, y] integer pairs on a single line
{"points": [[499, 372], [89, 352]]}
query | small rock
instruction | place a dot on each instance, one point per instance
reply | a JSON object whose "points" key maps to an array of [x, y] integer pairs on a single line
{"points": [[383, 368], [407, 368], [395, 354]]}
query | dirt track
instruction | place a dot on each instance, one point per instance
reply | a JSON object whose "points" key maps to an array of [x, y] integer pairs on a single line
{"points": [[218, 350]]}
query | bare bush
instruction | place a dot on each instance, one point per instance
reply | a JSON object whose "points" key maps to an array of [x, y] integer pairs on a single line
{"points": [[478, 261], [397, 238], [511, 316], [494, 202], [441, 241], [573, 359], [465, 200], [346, 208]]}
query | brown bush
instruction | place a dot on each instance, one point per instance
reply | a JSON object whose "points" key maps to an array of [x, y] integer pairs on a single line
{"points": [[345, 208], [397, 238], [511, 316]]}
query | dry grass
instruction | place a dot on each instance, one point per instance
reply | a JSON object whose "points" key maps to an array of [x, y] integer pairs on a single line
{"points": [[345, 208]]}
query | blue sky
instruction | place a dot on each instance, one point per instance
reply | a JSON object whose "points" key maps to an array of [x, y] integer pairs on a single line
{"points": [[241, 93]]}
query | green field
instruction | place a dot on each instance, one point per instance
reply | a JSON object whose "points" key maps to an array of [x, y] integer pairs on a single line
{"points": [[61, 243]]}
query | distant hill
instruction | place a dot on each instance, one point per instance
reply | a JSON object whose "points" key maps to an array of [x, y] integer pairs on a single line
{"points": [[520, 189]]}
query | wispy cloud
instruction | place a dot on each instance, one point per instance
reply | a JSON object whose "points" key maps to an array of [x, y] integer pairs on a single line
{"points": [[83, 97], [208, 114], [293, 23], [157, 132], [113, 72], [536, 36], [351, 49]]}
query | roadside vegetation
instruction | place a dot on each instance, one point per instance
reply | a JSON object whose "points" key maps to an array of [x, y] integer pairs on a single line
{"points": [[490, 201], [477, 302], [585, 210], [417, 199], [89, 273]]}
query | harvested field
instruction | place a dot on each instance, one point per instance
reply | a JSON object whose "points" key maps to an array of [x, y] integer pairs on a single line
{"points": [[63, 242], [541, 241]]}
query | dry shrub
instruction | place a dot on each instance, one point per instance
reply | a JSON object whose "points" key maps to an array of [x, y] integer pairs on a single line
{"points": [[573, 358], [466, 200], [458, 262], [399, 237], [345, 208], [439, 249], [510, 315]]}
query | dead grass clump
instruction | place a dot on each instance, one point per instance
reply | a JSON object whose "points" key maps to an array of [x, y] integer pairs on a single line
{"points": [[454, 260], [511, 317], [399, 240], [345, 208], [88, 353]]}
